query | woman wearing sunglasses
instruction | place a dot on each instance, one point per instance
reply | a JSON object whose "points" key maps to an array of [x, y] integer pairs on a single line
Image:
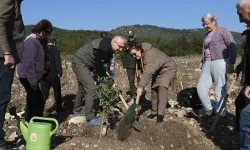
{"points": [[162, 69], [31, 68]]}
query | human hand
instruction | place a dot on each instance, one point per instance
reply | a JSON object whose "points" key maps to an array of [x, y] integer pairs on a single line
{"points": [[34, 87], [235, 76], [200, 66], [9, 61], [139, 91], [111, 68], [247, 92]]}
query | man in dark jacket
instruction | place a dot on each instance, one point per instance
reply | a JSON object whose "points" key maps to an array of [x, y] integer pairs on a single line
{"points": [[129, 63], [245, 80], [11, 37], [53, 68], [92, 56], [242, 102]]}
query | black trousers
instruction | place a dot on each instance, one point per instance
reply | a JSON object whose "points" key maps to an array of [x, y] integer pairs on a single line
{"points": [[55, 83], [6, 79], [34, 100], [131, 79], [240, 104]]}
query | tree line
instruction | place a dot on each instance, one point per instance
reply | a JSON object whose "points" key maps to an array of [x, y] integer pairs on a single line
{"points": [[70, 41]]}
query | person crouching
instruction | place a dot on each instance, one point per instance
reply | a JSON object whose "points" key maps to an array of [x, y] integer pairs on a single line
{"points": [[162, 69]]}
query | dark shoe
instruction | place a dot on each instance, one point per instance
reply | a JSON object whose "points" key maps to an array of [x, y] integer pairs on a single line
{"points": [[3, 146], [206, 114], [160, 118], [151, 116]]}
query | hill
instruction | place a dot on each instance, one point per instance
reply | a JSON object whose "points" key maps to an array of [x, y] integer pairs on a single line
{"points": [[175, 42], [155, 31]]}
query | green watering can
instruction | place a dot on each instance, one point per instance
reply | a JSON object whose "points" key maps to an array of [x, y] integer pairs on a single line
{"points": [[38, 134]]}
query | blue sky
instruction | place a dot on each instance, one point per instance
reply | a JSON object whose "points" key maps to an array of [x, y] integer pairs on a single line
{"points": [[110, 14]]}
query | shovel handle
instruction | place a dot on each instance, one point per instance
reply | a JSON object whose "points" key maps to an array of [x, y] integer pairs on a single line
{"points": [[47, 119], [123, 101], [120, 95]]}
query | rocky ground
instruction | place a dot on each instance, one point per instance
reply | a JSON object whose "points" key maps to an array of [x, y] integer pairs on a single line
{"points": [[181, 130]]}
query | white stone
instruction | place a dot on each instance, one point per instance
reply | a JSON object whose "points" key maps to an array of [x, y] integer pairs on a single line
{"points": [[7, 116], [77, 120], [13, 136]]}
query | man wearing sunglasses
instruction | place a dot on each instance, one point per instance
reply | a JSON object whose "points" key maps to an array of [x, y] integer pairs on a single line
{"points": [[11, 37], [92, 56], [129, 63]]}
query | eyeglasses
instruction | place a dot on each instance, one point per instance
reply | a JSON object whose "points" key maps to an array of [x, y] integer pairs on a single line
{"points": [[119, 45]]}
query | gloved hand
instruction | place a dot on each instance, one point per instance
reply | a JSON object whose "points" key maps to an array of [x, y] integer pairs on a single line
{"points": [[230, 68]]}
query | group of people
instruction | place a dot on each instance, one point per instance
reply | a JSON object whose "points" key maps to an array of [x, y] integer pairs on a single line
{"points": [[37, 62]]}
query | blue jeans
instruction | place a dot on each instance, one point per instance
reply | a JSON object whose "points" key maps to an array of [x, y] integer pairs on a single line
{"points": [[6, 79], [245, 128]]}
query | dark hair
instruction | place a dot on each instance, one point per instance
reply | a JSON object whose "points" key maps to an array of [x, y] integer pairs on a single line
{"points": [[52, 39], [135, 46], [43, 25]]}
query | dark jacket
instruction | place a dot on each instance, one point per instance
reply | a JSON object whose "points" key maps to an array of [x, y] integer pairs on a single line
{"points": [[128, 61], [11, 27], [53, 63], [244, 65], [158, 66], [94, 55]]}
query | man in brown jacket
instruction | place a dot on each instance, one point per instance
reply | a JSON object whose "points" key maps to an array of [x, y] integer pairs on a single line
{"points": [[162, 69], [11, 36]]}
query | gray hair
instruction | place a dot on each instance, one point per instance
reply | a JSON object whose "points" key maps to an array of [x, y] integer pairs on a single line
{"points": [[120, 37], [242, 3], [208, 18]]}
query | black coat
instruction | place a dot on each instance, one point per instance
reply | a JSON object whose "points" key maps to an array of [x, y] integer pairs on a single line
{"points": [[128, 61], [244, 65], [53, 63]]}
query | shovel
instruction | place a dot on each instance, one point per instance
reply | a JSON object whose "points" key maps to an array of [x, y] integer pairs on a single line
{"points": [[223, 105], [129, 120]]}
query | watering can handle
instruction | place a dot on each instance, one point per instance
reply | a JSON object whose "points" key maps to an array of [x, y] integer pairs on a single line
{"points": [[48, 119]]}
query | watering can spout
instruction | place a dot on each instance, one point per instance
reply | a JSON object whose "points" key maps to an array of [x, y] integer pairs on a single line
{"points": [[24, 130]]}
